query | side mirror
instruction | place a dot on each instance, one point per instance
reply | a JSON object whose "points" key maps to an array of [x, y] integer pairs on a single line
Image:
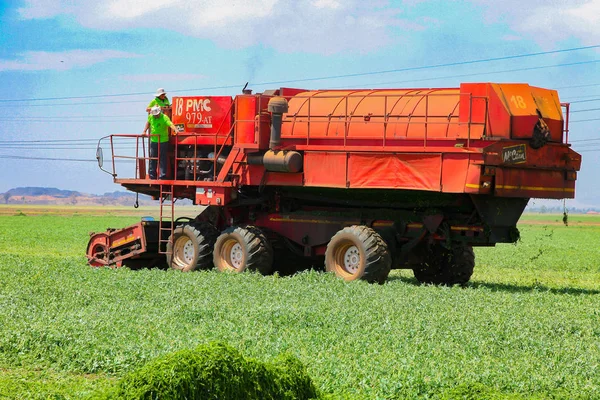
{"points": [[99, 157]]}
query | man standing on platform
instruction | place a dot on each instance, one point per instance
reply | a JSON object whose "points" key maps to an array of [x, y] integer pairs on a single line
{"points": [[160, 99], [158, 124]]}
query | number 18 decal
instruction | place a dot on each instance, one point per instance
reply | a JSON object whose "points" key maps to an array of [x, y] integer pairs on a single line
{"points": [[518, 101]]}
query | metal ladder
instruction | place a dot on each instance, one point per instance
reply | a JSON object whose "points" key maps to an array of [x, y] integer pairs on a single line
{"points": [[166, 195]]}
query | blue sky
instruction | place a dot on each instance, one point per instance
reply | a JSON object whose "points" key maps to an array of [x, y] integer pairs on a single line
{"points": [[56, 55]]}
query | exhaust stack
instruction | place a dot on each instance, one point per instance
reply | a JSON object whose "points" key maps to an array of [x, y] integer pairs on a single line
{"points": [[277, 106]]}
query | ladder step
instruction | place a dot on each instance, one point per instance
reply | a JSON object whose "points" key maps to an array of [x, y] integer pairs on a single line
{"points": [[167, 199]]}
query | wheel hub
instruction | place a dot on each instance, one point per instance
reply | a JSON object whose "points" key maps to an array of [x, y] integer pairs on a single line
{"points": [[236, 254], [351, 259], [185, 251]]}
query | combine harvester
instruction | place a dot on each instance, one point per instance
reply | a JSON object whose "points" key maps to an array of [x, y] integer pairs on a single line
{"points": [[372, 180]]}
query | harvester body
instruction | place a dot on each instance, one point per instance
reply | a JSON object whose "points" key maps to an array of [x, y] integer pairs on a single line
{"points": [[370, 179]]}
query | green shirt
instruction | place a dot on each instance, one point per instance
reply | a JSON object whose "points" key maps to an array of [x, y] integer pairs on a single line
{"points": [[159, 126], [160, 102]]}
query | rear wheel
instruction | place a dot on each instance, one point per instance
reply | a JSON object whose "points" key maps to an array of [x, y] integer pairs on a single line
{"points": [[358, 252], [190, 247], [447, 267], [243, 248]]}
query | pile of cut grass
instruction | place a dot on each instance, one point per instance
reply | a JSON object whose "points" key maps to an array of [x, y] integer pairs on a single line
{"points": [[214, 371]]}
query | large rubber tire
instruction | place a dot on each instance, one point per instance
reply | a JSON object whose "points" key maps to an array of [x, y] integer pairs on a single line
{"points": [[447, 267], [358, 252], [191, 247], [243, 248]]}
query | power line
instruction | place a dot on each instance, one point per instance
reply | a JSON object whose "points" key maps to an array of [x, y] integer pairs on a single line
{"points": [[119, 148], [76, 116], [122, 94], [484, 60], [72, 120], [74, 103], [430, 66], [583, 101], [47, 158], [75, 147], [585, 120], [144, 102], [483, 73], [580, 97], [58, 159], [49, 141], [585, 140], [578, 86], [589, 109]]}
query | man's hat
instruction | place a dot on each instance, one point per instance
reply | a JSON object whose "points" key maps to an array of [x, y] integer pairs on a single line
{"points": [[160, 91]]}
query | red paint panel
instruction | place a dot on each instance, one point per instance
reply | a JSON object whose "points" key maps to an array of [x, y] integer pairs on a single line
{"points": [[549, 105], [252, 121], [548, 156], [325, 169], [472, 184], [398, 171], [212, 195], [513, 182], [255, 175], [203, 114], [454, 172], [518, 100], [476, 100]]}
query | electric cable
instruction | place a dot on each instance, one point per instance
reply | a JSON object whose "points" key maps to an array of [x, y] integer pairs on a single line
{"points": [[587, 110], [478, 73], [451, 64]]}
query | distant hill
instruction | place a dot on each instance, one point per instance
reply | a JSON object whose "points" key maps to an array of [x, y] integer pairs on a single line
{"points": [[44, 195], [41, 191]]}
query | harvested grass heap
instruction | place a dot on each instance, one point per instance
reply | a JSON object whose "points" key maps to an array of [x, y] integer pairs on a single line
{"points": [[215, 371]]}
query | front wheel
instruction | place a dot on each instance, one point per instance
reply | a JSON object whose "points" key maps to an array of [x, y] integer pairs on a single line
{"points": [[243, 248], [190, 247], [358, 252]]}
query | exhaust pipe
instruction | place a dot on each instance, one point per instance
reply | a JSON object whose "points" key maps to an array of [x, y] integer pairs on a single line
{"points": [[277, 106], [277, 160]]}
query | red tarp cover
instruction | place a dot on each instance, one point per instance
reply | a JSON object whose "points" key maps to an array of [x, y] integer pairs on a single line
{"points": [[402, 171]]}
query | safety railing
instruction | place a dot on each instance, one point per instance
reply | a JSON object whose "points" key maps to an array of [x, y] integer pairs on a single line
{"points": [[131, 152], [565, 135], [193, 162], [123, 152], [408, 117], [400, 113]]}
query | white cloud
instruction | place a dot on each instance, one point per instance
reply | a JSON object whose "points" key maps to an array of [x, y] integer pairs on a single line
{"points": [[131, 9], [61, 61], [317, 26], [326, 4], [35, 9], [321, 26], [548, 21]]}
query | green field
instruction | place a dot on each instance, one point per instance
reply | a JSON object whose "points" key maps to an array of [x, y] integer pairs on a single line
{"points": [[527, 326]]}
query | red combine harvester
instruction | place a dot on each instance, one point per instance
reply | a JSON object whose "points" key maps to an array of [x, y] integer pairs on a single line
{"points": [[369, 180]]}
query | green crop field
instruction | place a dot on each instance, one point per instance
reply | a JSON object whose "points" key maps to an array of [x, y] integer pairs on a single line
{"points": [[527, 326]]}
